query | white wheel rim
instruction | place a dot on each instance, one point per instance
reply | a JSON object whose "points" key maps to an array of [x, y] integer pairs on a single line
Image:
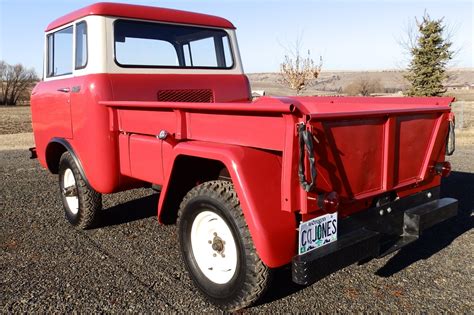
{"points": [[210, 229], [70, 181]]}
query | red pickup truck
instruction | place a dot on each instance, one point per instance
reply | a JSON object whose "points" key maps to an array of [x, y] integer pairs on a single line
{"points": [[138, 96]]}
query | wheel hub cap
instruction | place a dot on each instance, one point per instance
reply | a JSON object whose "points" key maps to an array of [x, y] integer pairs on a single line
{"points": [[70, 191], [217, 244], [214, 247]]}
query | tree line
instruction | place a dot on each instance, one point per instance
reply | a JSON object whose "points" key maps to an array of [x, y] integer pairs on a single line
{"points": [[16, 82]]}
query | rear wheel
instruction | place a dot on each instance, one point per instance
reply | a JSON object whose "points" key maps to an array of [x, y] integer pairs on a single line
{"points": [[81, 203], [217, 248]]}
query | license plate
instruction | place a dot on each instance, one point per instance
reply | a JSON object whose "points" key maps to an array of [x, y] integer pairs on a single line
{"points": [[317, 232]]}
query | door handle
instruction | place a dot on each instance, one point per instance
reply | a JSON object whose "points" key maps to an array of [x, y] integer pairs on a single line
{"points": [[64, 90]]}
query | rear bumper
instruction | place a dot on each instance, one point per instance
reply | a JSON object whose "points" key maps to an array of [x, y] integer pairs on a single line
{"points": [[375, 232]]}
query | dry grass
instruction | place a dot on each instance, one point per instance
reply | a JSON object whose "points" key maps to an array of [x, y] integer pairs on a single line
{"points": [[17, 141], [333, 82], [15, 119], [465, 137], [467, 96], [464, 112]]}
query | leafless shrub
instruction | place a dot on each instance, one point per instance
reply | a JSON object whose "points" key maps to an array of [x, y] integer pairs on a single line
{"points": [[364, 86], [15, 82], [299, 71]]}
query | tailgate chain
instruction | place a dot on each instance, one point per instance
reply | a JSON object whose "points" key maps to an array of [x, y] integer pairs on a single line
{"points": [[306, 139], [451, 138]]}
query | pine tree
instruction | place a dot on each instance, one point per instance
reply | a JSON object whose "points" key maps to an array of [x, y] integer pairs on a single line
{"points": [[430, 55]]}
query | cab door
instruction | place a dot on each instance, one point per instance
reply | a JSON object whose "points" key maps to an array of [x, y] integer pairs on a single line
{"points": [[54, 109], [55, 101]]}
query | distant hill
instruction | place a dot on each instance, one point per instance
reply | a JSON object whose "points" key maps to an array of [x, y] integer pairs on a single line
{"points": [[333, 82]]}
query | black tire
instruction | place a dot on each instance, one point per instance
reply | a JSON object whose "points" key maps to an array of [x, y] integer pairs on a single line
{"points": [[89, 201], [251, 277]]}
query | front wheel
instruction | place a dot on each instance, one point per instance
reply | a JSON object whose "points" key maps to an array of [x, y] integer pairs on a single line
{"points": [[217, 248], [80, 201]]}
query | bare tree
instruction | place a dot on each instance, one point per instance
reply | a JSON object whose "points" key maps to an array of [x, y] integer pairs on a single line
{"points": [[299, 71], [364, 86], [3, 69], [15, 81]]}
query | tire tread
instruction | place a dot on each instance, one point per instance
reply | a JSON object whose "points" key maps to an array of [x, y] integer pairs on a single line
{"points": [[90, 201], [258, 274]]}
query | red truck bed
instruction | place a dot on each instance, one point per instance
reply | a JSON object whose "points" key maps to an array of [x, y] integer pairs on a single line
{"points": [[365, 146]]}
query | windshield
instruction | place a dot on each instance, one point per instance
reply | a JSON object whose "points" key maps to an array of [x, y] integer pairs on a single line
{"points": [[148, 44]]}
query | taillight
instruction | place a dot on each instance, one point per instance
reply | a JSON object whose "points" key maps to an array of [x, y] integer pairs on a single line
{"points": [[331, 202], [443, 169]]}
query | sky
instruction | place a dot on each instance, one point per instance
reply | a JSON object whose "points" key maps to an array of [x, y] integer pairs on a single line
{"points": [[348, 35]]}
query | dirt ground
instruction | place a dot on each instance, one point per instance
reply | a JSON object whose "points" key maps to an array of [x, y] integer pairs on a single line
{"points": [[15, 119], [131, 264]]}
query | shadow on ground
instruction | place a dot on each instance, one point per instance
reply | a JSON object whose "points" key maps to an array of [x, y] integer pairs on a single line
{"points": [[458, 185], [129, 211]]}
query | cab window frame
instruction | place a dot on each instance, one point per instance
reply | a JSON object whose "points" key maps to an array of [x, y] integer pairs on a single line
{"points": [[181, 67], [51, 42]]}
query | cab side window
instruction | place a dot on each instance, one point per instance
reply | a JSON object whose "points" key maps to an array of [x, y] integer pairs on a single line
{"points": [[81, 45], [60, 52]]}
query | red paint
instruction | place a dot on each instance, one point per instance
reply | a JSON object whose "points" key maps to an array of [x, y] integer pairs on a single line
{"points": [[143, 13], [146, 87], [364, 146], [356, 157], [256, 177]]}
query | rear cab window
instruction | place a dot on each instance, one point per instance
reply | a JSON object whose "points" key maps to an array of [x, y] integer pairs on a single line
{"points": [[81, 45], [159, 45]]}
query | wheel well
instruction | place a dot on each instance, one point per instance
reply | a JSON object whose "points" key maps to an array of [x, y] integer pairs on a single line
{"points": [[188, 171], [53, 155]]}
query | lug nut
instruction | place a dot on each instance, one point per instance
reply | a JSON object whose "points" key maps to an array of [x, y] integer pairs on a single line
{"points": [[428, 194], [381, 212], [389, 210]]}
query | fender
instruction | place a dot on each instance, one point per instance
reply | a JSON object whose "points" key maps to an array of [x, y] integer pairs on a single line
{"points": [[256, 175], [69, 148]]}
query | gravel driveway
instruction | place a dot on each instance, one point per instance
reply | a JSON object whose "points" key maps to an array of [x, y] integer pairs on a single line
{"points": [[132, 263]]}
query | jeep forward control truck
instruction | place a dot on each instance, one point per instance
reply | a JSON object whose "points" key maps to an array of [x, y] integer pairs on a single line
{"points": [[138, 96]]}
